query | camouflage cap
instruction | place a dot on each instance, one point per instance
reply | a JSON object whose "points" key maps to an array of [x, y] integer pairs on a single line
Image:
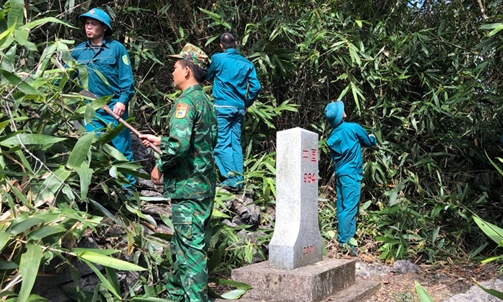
{"points": [[193, 54]]}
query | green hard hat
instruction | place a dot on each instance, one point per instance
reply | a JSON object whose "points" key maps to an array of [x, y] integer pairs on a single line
{"points": [[100, 15]]}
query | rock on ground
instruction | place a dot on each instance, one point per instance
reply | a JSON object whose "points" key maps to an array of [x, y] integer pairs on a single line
{"points": [[476, 294]]}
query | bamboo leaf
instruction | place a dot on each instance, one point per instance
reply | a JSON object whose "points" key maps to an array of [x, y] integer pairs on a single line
{"points": [[492, 231], [85, 175], [31, 139], [491, 259], [114, 153], [241, 288], [107, 213], [234, 294], [21, 85], [105, 252], [104, 281], [7, 265], [78, 294], [496, 27], [138, 212], [435, 234], [112, 277], [4, 238], [46, 231], [386, 239], [28, 268], [53, 184], [6, 38], [15, 15], [22, 37], [80, 150], [23, 225], [109, 261], [219, 214], [423, 295], [37, 298], [212, 15], [491, 291], [46, 58], [88, 112], [43, 21], [150, 299]]}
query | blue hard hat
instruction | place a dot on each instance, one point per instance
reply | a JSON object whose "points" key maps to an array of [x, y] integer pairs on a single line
{"points": [[334, 112], [100, 15]]}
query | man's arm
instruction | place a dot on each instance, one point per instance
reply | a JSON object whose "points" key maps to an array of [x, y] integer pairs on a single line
{"points": [[176, 145], [253, 87], [211, 71], [367, 140], [126, 78]]}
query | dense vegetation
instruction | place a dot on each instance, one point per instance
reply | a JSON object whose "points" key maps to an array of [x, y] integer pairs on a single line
{"points": [[424, 76]]}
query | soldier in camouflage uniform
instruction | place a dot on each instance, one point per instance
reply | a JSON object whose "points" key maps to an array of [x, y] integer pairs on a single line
{"points": [[188, 166]]}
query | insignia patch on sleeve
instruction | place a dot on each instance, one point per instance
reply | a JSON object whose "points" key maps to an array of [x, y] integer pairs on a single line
{"points": [[125, 59], [181, 110]]}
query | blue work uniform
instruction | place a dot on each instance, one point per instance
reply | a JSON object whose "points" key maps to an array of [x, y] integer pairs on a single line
{"points": [[235, 88], [345, 143], [111, 62]]}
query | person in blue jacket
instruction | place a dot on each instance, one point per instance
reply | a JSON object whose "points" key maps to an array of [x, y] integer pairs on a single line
{"points": [[345, 143], [109, 72], [235, 88]]}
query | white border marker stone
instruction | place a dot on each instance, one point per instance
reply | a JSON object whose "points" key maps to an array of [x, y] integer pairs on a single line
{"points": [[296, 240]]}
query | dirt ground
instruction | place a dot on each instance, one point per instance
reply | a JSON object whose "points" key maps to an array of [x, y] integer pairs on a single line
{"points": [[441, 281]]}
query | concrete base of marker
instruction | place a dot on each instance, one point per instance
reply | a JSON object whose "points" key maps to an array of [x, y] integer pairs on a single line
{"points": [[314, 282], [362, 290]]}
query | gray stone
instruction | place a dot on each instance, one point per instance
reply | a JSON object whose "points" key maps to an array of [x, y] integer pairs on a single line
{"points": [[476, 294], [313, 282], [249, 215], [296, 241], [368, 270], [405, 267]]}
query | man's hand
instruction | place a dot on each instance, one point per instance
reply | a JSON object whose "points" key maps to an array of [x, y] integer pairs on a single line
{"points": [[119, 109], [155, 176], [146, 139]]}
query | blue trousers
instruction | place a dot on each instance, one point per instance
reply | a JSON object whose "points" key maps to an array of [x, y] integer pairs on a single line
{"points": [[228, 151], [121, 142], [348, 195]]}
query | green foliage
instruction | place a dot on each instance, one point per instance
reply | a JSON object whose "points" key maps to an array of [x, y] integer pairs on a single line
{"points": [[230, 246], [52, 173], [423, 295], [426, 80], [496, 234]]}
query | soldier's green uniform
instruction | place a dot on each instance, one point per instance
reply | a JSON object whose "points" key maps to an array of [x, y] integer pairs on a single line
{"points": [[188, 167]]}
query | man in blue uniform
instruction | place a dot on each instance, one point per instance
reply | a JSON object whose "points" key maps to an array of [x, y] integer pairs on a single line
{"points": [[235, 88], [345, 143], [109, 73]]}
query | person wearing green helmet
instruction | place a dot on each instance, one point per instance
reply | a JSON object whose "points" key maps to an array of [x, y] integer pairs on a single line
{"points": [[109, 72]]}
